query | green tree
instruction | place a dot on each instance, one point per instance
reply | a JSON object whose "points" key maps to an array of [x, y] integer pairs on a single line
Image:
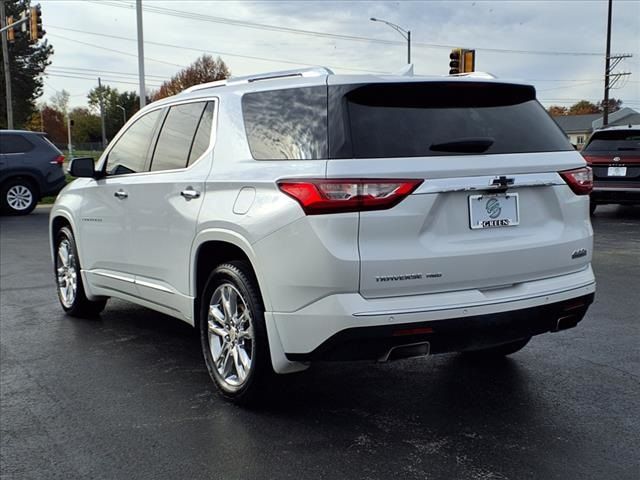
{"points": [[86, 126], [614, 105], [27, 63], [204, 69], [113, 100]]}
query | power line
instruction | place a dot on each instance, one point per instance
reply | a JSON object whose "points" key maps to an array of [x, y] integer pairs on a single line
{"points": [[92, 79], [261, 26], [55, 35], [216, 52], [162, 77]]}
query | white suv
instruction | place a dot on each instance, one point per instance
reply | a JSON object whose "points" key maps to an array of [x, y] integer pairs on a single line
{"points": [[304, 216]]}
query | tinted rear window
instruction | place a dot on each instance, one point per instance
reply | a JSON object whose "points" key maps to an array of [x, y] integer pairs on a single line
{"points": [[614, 140], [287, 124], [438, 118], [14, 144]]}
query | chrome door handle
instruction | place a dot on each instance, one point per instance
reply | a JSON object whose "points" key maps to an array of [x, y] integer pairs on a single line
{"points": [[121, 194], [190, 193]]}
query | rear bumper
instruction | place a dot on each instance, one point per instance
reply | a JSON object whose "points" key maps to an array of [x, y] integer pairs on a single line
{"points": [[610, 192], [308, 332], [451, 335]]}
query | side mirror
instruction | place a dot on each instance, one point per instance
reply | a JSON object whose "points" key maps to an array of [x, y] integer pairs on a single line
{"points": [[82, 167]]}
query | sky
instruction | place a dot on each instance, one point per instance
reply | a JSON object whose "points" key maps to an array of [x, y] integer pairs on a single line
{"points": [[558, 46]]}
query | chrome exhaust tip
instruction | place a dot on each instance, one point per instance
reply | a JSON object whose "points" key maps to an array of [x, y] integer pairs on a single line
{"points": [[411, 350]]}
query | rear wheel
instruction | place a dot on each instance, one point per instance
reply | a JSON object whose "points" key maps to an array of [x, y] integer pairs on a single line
{"points": [[233, 333], [498, 351], [19, 197], [69, 281]]}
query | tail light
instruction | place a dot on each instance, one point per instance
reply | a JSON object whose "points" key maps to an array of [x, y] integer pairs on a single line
{"points": [[318, 196], [59, 160], [580, 180]]}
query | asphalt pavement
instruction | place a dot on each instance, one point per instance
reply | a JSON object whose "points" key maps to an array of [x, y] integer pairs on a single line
{"points": [[127, 396]]}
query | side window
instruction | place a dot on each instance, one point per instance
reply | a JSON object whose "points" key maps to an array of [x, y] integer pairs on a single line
{"points": [[177, 136], [287, 124], [129, 154], [203, 134], [14, 144]]}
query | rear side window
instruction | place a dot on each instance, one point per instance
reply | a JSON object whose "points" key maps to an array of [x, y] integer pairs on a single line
{"points": [[438, 118], [129, 154], [203, 134], [177, 136], [14, 144], [287, 124], [614, 140]]}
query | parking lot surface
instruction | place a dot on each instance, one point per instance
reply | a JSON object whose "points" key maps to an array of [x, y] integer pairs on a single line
{"points": [[127, 396]]}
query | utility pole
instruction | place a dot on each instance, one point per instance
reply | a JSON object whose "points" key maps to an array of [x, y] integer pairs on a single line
{"points": [[69, 145], [607, 70], [5, 61], [406, 34], [104, 129], [143, 93]]}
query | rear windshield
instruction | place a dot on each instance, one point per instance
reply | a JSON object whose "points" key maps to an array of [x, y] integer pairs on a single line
{"points": [[614, 140], [438, 118]]}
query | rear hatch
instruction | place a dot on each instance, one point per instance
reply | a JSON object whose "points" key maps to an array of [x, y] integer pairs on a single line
{"points": [[614, 156], [492, 210]]}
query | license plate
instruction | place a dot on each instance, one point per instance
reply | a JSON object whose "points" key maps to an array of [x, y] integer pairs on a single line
{"points": [[493, 210], [617, 171]]}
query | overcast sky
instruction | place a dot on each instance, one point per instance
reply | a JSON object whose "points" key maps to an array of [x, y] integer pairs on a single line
{"points": [[556, 45]]}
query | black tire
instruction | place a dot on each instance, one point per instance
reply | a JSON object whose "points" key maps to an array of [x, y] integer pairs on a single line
{"points": [[77, 305], [498, 351], [235, 278], [592, 208], [18, 197]]}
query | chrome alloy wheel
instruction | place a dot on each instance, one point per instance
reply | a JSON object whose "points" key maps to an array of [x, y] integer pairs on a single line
{"points": [[67, 273], [231, 335], [19, 197]]}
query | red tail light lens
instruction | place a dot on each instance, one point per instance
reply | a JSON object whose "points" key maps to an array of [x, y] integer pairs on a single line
{"points": [[319, 196], [59, 160], [580, 180]]}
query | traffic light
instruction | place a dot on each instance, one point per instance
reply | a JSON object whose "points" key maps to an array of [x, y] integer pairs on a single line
{"points": [[11, 34], [456, 60], [35, 24], [462, 61]]}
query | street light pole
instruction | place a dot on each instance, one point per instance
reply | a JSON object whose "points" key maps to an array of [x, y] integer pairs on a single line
{"points": [[406, 34], [143, 93], [124, 114]]}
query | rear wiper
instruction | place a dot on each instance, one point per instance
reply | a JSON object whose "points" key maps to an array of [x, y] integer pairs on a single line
{"points": [[464, 145]]}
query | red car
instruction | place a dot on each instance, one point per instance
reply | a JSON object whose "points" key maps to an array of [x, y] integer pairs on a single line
{"points": [[614, 155]]}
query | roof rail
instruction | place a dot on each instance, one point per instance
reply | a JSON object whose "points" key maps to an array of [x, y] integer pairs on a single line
{"points": [[305, 72]]}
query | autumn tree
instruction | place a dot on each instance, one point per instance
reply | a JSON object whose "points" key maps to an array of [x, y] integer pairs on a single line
{"points": [[557, 110], [204, 69], [583, 107], [27, 63]]}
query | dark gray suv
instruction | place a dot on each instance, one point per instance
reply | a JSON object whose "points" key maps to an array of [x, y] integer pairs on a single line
{"points": [[30, 168]]}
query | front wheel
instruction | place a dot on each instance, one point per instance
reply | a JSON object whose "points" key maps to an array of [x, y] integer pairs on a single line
{"points": [[19, 197], [69, 281], [233, 333]]}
